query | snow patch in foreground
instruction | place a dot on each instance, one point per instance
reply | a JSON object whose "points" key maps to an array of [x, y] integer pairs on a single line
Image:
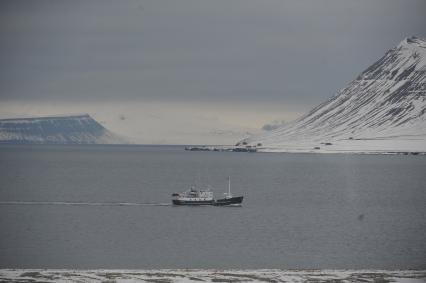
{"points": [[211, 275]]}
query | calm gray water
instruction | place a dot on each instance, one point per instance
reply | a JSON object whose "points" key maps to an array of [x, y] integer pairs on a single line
{"points": [[300, 210]]}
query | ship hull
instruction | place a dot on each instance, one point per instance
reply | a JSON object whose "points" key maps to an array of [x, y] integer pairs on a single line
{"points": [[188, 202], [219, 202], [229, 201]]}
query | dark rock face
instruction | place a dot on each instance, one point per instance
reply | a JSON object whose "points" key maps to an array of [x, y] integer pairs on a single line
{"points": [[79, 129], [387, 99]]}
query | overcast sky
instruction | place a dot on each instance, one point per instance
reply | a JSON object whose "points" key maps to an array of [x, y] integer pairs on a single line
{"points": [[190, 71]]}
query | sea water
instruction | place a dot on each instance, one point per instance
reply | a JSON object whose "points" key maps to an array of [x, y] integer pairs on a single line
{"points": [[110, 207]]}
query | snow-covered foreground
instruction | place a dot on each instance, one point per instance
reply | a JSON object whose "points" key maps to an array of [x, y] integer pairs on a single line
{"points": [[210, 275]]}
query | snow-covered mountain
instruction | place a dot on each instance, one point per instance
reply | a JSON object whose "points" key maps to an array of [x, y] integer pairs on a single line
{"points": [[75, 129], [382, 110]]}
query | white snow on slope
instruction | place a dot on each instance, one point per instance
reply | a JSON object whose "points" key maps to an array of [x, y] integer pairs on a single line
{"points": [[382, 110], [72, 129]]}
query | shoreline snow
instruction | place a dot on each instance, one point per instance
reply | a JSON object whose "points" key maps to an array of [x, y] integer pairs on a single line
{"points": [[210, 275], [361, 146]]}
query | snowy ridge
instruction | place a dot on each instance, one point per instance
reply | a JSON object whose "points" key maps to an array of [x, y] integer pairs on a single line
{"points": [[71, 129], [383, 109]]}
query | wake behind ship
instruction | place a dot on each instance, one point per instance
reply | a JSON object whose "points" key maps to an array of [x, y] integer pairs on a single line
{"points": [[205, 197]]}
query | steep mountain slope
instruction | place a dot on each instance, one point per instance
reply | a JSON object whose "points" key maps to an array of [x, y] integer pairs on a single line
{"points": [[383, 109], [78, 129]]}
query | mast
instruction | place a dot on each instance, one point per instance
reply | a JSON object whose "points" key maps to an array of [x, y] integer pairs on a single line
{"points": [[229, 185]]}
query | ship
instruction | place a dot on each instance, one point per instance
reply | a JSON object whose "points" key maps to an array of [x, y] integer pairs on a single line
{"points": [[195, 196]]}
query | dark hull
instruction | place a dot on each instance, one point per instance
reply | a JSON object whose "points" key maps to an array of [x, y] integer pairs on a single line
{"points": [[229, 201], [219, 202], [180, 202]]}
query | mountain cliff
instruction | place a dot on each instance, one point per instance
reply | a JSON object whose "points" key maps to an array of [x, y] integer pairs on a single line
{"points": [[76, 129], [383, 109]]}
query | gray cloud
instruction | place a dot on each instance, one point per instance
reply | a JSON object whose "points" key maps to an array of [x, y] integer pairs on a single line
{"points": [[273, 125], [293, 52]]}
